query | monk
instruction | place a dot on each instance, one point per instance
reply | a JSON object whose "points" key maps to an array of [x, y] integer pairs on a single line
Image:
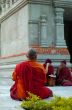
{"points": [[49, 69], [63, 75], [29, 76]]}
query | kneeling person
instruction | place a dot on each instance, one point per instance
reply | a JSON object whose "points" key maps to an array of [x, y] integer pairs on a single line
{"points": [[63, 75]]}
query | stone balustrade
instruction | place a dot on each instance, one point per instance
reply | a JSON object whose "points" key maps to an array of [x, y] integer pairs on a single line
{"points": [[6, 4]]}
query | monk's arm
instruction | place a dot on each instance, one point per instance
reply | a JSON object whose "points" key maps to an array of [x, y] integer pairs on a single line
{"points": [[14, 76]]}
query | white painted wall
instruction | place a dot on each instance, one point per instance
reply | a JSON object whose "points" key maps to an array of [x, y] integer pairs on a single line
{"points": [[14, 33]]}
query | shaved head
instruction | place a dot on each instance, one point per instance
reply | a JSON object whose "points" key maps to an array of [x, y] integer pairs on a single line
{"points": [[32, 54]]}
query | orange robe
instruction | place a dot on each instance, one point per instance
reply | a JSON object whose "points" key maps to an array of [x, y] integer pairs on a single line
{"points": [[29, 76]]}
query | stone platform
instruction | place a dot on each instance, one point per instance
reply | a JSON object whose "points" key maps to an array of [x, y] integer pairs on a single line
{"points": [[6, 103]]}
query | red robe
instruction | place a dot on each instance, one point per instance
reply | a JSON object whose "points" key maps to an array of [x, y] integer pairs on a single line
{"points": [[49, 72], [64, 77], [50, 69], [29, 76]]}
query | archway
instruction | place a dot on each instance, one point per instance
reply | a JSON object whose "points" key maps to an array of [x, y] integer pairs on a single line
{"points": [[68, 30]]}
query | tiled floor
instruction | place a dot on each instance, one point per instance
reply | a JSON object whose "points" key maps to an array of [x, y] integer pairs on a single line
{"points": [[6, 103]]}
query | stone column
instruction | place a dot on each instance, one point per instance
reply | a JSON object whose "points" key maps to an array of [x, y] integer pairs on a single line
{"points": [[43, 32], [10, 3], [0, 39], [0, 10], [60, 42], [7, 4], [3, 7], [13, 1]]}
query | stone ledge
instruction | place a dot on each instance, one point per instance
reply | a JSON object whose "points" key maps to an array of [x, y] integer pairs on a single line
{"points": [[55, 54], [51, 50], [12, 59], [11, 56], [42, 2], [63, 3], [42, 50]]}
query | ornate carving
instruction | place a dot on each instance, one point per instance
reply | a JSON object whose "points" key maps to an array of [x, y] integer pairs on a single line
{"points": [[43, 18], [59, 15], [62, 3], [43, 23], [13, 1], [59, 27], [5, 4]]}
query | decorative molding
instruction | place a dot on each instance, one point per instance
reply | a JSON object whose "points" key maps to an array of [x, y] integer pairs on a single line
{"points": [[51, 50], [59, 15], [43, 30], [33, 22], [63, 3], [54, 53], [41, 50], [18, 5], [46, 2], [14, 8], [33, 32]]}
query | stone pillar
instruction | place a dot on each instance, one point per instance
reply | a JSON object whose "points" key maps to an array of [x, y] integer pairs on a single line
{"points": [[0, 39], [0, 10], [60, 42], [3, 7], [7, 4], [43, 32], [13, 1], [10, 3]]}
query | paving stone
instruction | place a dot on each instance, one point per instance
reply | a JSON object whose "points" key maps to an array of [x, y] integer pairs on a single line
{"points": [[6, 103], [62, 91], [6, 81]]}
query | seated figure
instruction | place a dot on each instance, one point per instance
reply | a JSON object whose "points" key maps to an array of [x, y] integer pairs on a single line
{"points": [[63, 75], [49, 68], [29, 76], [50, 77]]}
